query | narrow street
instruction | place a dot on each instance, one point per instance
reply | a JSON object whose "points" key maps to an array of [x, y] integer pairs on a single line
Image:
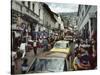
{"points": [[45, 39], [30, 56]]}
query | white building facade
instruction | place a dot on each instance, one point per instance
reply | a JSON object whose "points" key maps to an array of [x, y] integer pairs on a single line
{"points": [[33, 16], [87, 20], [49, 20]]}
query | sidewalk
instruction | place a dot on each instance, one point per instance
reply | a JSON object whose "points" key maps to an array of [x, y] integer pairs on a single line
{"points": [[29, 56]]}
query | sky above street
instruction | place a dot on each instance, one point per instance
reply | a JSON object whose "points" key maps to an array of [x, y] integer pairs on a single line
{"points": [[63, 7]]}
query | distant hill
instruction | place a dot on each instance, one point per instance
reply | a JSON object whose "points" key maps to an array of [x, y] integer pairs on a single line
{"points": [[68, 14], [68, 18]]}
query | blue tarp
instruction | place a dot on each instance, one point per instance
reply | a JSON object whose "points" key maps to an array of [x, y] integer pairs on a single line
{"points": [[36, 34]]}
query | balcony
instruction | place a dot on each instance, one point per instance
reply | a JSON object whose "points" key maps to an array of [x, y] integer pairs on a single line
{"points": [[18, 6], [30, 13]]}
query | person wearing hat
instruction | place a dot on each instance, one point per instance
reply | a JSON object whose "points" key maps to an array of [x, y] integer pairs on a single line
{"points": [[77, 63], [82, 50], [84, 57]]}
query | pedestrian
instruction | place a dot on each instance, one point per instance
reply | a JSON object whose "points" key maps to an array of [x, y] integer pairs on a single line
{"points": [[49, 45], [74, 40], [35, 46], [13, 59], [78, 42], [86, 41], [94, 48], [83, 51], [40, 45], [92, 55], [24, 66], [76, 45], [30, 45], [84, 57], [76, 49], [45, 43], [23, 48], [52, 42], [77, 63]]}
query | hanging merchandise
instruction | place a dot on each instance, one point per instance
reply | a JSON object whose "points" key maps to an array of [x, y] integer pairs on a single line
{"points": [[17, 34]]}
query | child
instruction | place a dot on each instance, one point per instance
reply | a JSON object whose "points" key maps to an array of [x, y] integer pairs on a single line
{"points": [[24, 66]]}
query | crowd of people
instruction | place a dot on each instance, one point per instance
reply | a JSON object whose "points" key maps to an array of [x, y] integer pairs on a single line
{"points": [[38, 45], [85, 55]]}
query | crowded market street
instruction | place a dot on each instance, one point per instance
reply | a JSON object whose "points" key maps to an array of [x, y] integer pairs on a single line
{"points": [[44, 40]]}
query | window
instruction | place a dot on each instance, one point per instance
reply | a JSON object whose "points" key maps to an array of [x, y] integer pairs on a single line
{"points": [[60, 45], [21, 8], [33, 6], [14, 17], [83, 13], [86, 6], [28, 7], [28, 4], [23, 2], [39, 12], [48, 65], [93, 23]]}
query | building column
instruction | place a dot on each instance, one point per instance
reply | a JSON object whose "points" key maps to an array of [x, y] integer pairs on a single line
{"points": [[89, 29]]}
